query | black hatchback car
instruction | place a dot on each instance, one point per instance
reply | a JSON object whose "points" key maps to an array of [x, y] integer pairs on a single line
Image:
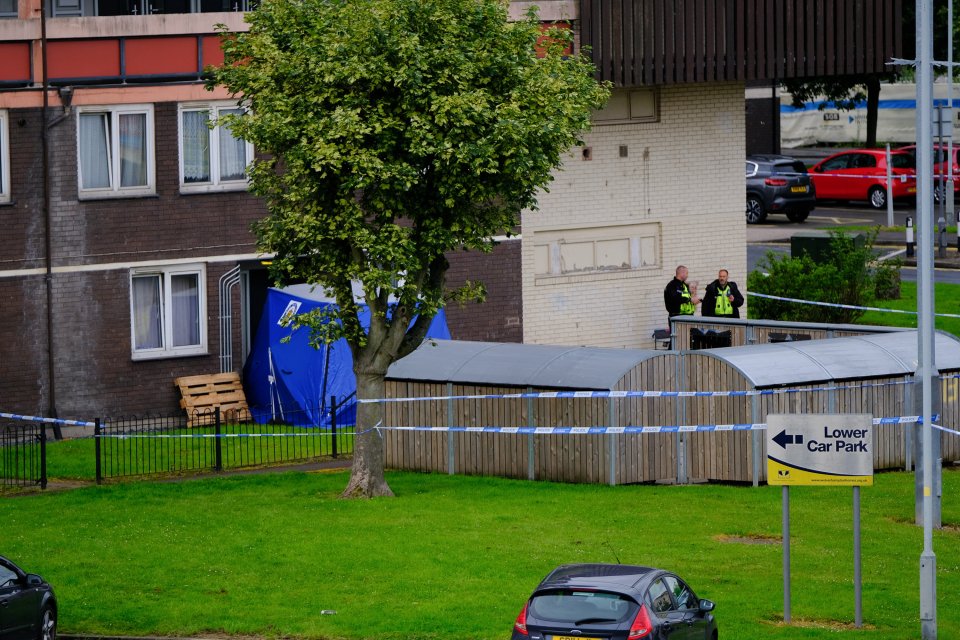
{"points": [[614, 602], [778, 184], [28, 608]]}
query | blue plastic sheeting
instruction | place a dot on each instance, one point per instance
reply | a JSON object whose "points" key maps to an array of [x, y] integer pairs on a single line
{"points": [[290, 381]]}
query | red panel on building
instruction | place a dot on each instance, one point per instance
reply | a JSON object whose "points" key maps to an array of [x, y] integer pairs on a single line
{"points": [[161, 56], [212, 53], [16, 61], [83, 59]]}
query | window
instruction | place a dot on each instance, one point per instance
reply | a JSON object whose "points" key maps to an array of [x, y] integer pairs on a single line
{"points": [[681, 593], [64, 8], [115, 148], [659, 597], [8, 8], [168, 311], [211, 158], [4, 159], [635, 105], [8, 577]]}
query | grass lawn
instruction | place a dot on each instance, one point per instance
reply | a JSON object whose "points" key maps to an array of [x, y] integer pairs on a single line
{"points": [[455, 557], [946, 300]]}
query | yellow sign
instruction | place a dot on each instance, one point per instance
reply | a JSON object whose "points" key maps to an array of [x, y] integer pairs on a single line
{"points": [[779, 473]]}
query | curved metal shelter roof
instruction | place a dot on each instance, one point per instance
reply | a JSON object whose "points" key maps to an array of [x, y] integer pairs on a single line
{"points": [[519, 365], [850, 358]]}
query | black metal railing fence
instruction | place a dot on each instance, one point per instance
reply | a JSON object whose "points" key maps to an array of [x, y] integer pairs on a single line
{"points": [[212, 441], [23, 454]]}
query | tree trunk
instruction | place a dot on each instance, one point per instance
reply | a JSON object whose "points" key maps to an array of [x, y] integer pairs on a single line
{"points": [[366, 476], [873, 107]]}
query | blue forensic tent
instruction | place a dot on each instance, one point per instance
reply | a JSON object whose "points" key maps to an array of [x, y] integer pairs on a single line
{"points": [[292, 382]]}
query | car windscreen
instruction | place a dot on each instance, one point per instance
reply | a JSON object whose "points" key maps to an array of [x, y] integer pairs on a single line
{"points": [[902, 161], [790, 167], [573, 606]]}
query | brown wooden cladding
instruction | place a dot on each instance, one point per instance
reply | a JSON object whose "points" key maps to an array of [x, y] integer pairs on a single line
{"points": [[723, 456], [661, 42]]}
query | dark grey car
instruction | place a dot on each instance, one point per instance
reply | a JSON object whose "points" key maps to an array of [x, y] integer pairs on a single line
{"points": [[778, 184], [28, 608], [614, 602]]}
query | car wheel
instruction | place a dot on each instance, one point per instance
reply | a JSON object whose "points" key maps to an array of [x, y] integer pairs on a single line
{"points": [[797, 216], [48, 624], [756, 212], [877, 197]]}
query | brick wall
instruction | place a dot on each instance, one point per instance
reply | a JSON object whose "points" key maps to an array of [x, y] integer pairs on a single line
{"points": [[94, 244], [500, 317], [684, 175]]}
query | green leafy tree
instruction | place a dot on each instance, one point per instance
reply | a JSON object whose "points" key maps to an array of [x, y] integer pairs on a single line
{"points": [[393, 131], [846, 274]]}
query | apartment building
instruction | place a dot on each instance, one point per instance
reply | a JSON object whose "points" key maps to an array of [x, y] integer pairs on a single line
{"points": [[128, 258]]}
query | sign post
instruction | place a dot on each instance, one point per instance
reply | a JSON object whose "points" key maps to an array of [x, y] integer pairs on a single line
{"points": [[833, 449]]}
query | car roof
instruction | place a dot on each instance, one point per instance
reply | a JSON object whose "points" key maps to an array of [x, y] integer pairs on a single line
{"points": [[770, 157], [874, 152], [615, 577]]}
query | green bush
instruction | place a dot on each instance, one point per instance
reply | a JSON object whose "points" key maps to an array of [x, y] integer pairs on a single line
{"points": [[846, 274]]}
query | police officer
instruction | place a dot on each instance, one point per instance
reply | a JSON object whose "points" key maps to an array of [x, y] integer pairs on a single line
{"points": [[722, 299], [677, 296]]}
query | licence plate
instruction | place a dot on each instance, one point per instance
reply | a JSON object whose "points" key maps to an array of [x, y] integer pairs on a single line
{"points": [[575, 638], [798, 189], [911, 189]]}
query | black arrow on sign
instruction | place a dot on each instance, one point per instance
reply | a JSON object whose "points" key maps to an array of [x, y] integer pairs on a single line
{"points": [[783, 439]]}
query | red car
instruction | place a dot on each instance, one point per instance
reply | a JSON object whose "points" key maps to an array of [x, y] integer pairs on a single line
{"points": [[861, 174], [940, 167]]}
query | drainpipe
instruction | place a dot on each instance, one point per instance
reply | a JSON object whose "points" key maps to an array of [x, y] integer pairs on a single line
{"points": [[48, 276]]}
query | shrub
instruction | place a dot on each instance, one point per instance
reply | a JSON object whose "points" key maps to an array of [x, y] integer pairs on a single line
{"points": [[846, 274]]}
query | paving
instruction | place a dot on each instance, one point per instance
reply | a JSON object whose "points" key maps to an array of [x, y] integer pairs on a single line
{"points": [[893, 241]]}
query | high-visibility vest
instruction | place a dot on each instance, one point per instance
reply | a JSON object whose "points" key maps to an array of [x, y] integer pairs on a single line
{"points": [[724, 306], [686, 307]]}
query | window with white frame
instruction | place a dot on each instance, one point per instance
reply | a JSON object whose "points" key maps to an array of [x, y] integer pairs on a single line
{"points": [[4, 159], [168, 311], [211, 157], [115, 149]]}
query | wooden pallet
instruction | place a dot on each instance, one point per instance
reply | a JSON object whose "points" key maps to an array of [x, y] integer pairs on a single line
{"points": [[201, 394]]}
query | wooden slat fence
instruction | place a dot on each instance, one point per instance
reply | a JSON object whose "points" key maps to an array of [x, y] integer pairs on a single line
{"points": [[727, 456]]}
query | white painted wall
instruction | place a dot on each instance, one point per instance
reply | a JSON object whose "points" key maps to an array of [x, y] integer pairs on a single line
{"points": [[682, 180]]}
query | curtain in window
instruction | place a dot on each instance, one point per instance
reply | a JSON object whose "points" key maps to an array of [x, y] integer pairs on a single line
{"points": [[196, 146], [133, 149], [95, 150], [185, 312], [233, 152], [147, 313]]}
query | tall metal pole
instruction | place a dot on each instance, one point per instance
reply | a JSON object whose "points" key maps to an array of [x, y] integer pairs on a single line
{"points": [[948, 190], [928, 572]]}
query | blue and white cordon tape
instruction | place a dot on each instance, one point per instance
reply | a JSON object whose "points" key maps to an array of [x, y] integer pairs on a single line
{"points": [[599, 430], [633, 394], [844, 306], [69, 423]]}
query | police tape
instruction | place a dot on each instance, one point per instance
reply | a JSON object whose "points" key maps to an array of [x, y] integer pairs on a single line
{"points": [[601, 430], [57, 421], [199, 436], [945, 429], [835, 305], [632, 394]]}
